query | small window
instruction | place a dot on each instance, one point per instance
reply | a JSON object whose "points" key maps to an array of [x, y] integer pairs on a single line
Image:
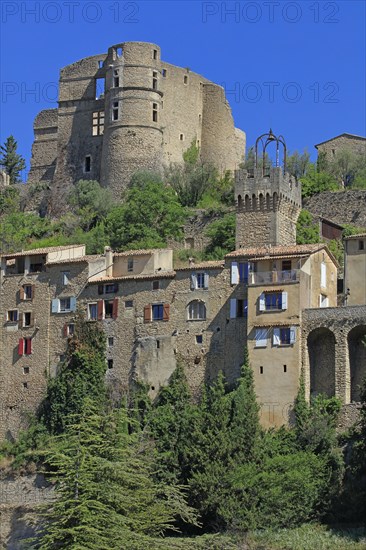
{"points": [[155, 80], [111, 288], [115, 110], [36, 267], [199, 338], [201, 280], [181, 137], [92, 312], [70, 329], [110, 341], [119, 51], [100, 63], [200, 118], [196, 311], [261, 370], [130, 265], [13, 316], [157, 311], [333, 152], [28, 292], [129, 304], [323, 300], [155, 54], [157, 344], [155, 285], [98, 123], [284, 368], [273, 300], [87, 164], [286, 265], [62, 357], [361, 245], [110, 363], [163, 72], [285, 336], [185, 79], [116, 78], [27, 319], [99, 88], [155, 112], [65, 304], [25, 370], [25, 385], [108, 309], [65, 277]]}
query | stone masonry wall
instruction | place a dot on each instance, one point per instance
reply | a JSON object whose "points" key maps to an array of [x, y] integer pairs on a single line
{"points": [[343, 207]]}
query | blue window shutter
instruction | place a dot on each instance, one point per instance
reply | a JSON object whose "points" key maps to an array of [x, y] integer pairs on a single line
{"points": [[284, 300], [55, 305], [206, 277], [246, 272], [72, 303], [193, 281], [262, 302], [292, 335], [232, 308]]}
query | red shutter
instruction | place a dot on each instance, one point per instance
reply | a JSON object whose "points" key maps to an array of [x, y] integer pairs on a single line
{"points": [[21, 346], [65, 331], [115, 308], [100, 310], [28, 346], [21, 293], [147, 314], [166, 311]]}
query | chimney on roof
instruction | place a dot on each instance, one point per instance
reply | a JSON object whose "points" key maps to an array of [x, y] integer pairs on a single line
{"points": [[108, 261]]}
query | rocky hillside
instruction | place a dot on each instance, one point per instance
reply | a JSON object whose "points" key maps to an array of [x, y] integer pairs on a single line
{"points": [[345, 207]]}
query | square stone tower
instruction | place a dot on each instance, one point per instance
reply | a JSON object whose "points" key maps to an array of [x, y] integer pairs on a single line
{"points": [[268, 202]]}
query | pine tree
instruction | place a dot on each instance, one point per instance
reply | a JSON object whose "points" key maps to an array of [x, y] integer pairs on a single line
{"points": [[12, 163]]}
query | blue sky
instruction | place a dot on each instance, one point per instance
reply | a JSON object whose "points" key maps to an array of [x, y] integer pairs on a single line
{"points": [[298, 67]]}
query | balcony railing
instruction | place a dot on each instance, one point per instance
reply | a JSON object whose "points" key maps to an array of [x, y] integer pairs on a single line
{"points": [[265, 277]]}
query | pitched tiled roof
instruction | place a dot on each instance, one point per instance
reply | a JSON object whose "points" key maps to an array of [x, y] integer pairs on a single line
{"points": [[141, 276], [358, 236], [141, 252], [280, 251], [37, 251], [217, 264], [86, 259], [340, 135]]}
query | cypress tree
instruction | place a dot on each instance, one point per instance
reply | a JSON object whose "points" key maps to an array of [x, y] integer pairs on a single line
{"points": [[12, 163]]}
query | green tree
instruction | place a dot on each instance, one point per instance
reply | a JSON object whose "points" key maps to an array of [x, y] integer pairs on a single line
{"points": [[150, 216], [91, 201], [222, 235], [297, 164], [12, 163], [9, 200], [316, 182], [306, 230]]}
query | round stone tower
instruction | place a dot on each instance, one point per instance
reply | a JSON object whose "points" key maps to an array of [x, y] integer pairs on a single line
{"points": [[133, 101]]}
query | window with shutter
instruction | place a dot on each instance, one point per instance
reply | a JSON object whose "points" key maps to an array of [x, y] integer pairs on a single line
{"points": [[232, 308], [115, 308], [100, 310], [166, 312], [196, 311], [262, 302], [92, 312], [193, 281], [21, 347], [147, 314], [261, 335], [234, 273], [27, 346], [157, 311]]}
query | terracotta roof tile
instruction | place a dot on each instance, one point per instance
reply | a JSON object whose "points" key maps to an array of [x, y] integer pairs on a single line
{"points": [[37, 251], [142, 276], [279, 251], [141, 252], [203, 265], [358, 236]]}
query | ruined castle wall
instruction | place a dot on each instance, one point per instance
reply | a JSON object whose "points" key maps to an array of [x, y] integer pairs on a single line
{"points": [[44, 149]]}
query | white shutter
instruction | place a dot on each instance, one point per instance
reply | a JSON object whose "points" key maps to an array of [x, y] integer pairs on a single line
{"points": [[323, 275], [262, 302], [232, 308], [72, 303], [276, 337], [193, 281], [206, 280], [320, 300], [234, 273], [292, 335], [284, 300], [261, 337], [326, 302], [55, 305]]}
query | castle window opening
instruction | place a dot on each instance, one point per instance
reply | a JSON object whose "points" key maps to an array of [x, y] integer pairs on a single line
{"points": [[26, 293], [181, 137], [155, 54], [284, 368], [199, 339], [119, 51], [261, 370], [99, 88], [157, 344], [130, 265], [70, 329], [323, 300], [129, 304], [25, 385], [27, 319], [98, 123], [156, 285], [115, 78], [163, 72], [100, 63], [198, 144], [110, 363], [87, 164], [12, 316], [25, 370], [155, 112], [115, 110], [108, 309], [110, 341], [155, 80], [200, 118], [185, 79], [196, 311], [361, 245]]}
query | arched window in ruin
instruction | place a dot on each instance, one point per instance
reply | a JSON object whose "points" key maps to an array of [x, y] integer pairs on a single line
{"points": [[321, 350], [240, 202], [275, 201], [261, 201], [268, 201], [357, 360], [254, 202], [247, 202]]}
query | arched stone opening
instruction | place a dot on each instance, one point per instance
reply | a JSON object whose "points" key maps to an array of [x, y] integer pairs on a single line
{"points": [[268, 201], [321, 349], [240, 202], [357, 359], [261, 201], [254, 202], [247, 202]]}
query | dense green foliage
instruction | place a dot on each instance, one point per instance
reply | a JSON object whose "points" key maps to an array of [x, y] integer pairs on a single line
{"points": [[222, 235], [11, 161]]}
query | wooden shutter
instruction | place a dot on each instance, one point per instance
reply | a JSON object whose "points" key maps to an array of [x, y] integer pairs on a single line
{"points": [[147, 314], [115, 308], [193, 281], [65, 330], [28, 346], [206, 278], [276, 337], [21, 293], [284, 300], [232, 308], [262, 302], [166, 312], [72, 303], [292, 335], [100, 289], [234, 273], [55, 305], [100, 310], [21, 346]]}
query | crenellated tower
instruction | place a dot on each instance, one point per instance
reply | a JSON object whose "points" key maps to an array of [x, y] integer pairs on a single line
{"points": [[268, 200]]}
